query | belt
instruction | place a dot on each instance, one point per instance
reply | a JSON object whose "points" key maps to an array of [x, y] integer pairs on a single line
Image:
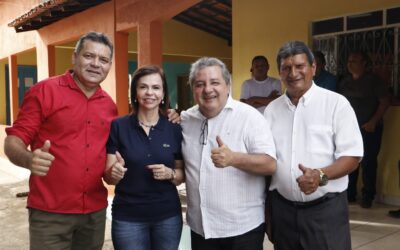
{"points": [[300, 204]]}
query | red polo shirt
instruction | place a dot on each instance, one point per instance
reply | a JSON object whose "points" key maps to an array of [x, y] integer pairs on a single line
{"points": [[56, 109]]}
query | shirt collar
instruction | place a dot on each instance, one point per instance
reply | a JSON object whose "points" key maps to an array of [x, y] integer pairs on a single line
{"points": [[263, 81], [68, 81], [305, 99], [229, 105]]}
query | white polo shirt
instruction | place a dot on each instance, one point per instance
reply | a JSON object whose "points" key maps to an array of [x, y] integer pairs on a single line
{"points": [[252, 87], [322, 128], [224, 202]]}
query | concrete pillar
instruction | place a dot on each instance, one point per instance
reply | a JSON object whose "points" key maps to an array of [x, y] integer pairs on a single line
{"points": [[13, 78], [121, 71], [150, 43], [45, 58]]}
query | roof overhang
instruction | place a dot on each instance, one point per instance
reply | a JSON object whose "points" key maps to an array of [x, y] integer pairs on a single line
{"points": [[50, 11]]}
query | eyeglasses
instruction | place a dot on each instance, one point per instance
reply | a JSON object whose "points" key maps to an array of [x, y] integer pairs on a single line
{"points": [[204, 132]]}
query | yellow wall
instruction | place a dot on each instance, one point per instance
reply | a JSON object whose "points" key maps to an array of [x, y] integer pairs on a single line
{"points": [[27, 58], [3, 91], [63, 59], [263, 26], [182, 39], [389, 157]]}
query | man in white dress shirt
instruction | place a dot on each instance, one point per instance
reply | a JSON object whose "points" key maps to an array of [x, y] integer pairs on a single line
{"points": [[318, 143], [228, 150], [261, 89]]}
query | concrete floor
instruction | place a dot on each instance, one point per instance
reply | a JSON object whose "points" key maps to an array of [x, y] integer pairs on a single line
{"points": [[371, 229]]}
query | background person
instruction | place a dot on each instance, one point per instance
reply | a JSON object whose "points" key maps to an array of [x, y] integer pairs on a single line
{"points": [[322, 77], [66, 120], [260, 89], [369, 98], [144, 161], [228, 150], [318, 143]]}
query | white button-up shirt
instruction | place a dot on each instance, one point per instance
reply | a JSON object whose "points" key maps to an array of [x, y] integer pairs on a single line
{"points": [[224, 202], [315, 133]]}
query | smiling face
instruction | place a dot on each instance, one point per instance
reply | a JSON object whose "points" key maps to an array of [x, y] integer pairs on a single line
{"points": [[91, 65], [149, 92], [210, 90], [297, 74]]}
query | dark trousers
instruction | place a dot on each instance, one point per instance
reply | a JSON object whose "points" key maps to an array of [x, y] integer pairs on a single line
{"points": [[369, 164], [55, 231], [319, 225], [252, 240]]}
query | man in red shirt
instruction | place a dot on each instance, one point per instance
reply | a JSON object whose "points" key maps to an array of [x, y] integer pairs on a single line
{"points": [[66, 121]]}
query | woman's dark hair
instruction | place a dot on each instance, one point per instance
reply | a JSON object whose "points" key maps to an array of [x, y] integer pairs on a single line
{"points": [[144, 71]]}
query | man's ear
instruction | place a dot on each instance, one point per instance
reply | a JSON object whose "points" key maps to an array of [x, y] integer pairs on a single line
{"points": [[313, 68], [73, 58]]}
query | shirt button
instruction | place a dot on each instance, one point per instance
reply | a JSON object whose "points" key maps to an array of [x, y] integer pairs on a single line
{"points": [[149, 138], [88, 122], [148, 155], [87, 145], [87, 169]]}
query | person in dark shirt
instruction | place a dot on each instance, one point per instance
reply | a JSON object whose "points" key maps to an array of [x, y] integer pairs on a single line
{"points": [[322, 77], [144, 161], [369, 98]]}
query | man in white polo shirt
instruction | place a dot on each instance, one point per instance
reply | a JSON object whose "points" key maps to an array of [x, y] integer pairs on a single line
{"points": [[318, 143], [261, 89], [228, 150]]}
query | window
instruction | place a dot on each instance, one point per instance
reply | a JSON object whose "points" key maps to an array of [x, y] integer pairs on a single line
{"points": [[365, 20]]}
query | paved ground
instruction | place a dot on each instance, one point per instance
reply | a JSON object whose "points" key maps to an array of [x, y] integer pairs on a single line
{"points": [[13, 213]]}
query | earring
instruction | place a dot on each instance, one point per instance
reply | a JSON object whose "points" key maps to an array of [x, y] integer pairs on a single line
{"points": [[135, 101], [162, 102]]}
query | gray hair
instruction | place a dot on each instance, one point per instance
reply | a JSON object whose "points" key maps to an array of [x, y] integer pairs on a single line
{"points": [[208, 62], [94, 37], [294, 48]]}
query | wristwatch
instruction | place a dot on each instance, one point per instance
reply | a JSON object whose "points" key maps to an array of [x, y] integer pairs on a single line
{"points": [[323, 178]]}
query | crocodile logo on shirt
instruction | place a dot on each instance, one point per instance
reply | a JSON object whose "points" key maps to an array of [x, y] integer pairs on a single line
{"points": [[165, 145]]}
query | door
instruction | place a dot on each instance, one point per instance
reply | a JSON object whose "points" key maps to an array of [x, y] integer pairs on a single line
{"points": [[27, 77]]}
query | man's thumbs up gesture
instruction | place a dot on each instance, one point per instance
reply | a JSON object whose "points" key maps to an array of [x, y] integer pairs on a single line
{"points": [[221, 156], [41, 160], [309, 181]]}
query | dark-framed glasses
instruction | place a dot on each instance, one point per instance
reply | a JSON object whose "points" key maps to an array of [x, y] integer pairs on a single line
{"points": [[204, 132]]}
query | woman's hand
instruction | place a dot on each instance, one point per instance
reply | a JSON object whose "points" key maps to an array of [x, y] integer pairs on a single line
{"points": [[161, 172]]}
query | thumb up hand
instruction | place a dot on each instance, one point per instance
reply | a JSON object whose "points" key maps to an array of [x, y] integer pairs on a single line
{"points": [[118, 168], [309, 181], [220, 142], [41, 160], [221, 156]]}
